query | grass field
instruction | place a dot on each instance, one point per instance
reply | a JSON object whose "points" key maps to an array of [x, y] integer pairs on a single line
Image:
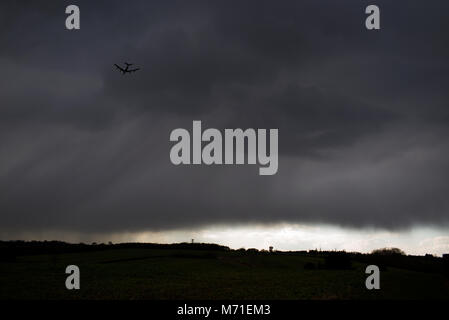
{"points": [[140, 273]]}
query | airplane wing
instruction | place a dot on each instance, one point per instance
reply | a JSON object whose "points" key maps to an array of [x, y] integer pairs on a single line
{"points": [[133, 70], [120, 68]]}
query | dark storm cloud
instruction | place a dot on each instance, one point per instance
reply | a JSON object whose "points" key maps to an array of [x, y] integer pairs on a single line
{"points": [[362, 115]]}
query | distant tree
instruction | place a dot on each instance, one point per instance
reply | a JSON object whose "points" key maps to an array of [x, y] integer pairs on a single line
{"points": [[388, 252], [446, 264]]}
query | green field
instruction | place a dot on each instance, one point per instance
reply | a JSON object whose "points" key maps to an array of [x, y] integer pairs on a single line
{"points": [[140, 273]]}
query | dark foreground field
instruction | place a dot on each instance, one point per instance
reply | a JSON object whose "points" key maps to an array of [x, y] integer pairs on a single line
{"points": [[184, 271]]}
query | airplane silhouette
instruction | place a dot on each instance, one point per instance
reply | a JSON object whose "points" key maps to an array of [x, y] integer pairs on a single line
{"points": [[126, 69]]}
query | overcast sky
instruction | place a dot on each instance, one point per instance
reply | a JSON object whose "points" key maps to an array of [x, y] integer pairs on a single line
{"points": [[362, 115]]}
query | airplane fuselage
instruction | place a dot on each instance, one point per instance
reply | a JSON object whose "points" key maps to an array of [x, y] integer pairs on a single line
{"points": [[126, 69]]}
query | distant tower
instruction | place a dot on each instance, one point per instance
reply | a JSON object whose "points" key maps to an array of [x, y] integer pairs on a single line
{"points": [[193, 240], [271, 249]]}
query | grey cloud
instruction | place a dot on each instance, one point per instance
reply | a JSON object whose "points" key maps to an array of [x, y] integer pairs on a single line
{"points": [[362, 116]]}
